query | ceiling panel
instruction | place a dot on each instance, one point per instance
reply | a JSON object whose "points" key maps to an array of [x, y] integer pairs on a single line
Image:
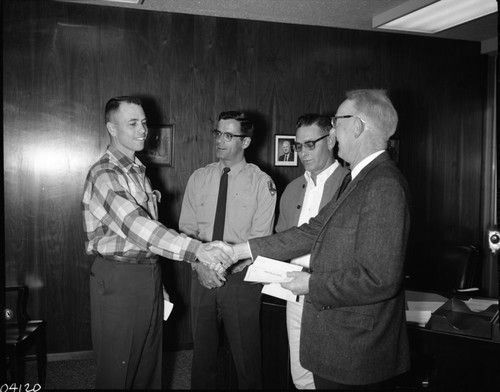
{"points": [[349, 14]]}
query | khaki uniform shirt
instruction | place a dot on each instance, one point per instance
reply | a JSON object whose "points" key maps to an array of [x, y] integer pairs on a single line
{"points": [[251, 201]]}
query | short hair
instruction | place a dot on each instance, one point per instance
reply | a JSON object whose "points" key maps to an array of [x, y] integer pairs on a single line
{"points": [[245, 123], [323, 122], [376, 105], [114, 104]]}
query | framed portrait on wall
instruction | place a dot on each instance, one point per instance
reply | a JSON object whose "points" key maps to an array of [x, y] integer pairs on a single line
{"points": [[158, 148], [284, 155]]}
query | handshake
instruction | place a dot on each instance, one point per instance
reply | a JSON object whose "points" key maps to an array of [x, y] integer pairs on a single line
{"points": [[219, 256]]}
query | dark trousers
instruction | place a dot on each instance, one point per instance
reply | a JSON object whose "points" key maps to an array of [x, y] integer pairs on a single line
{"points": [[237, 305], [323, 383], [127, 324]]}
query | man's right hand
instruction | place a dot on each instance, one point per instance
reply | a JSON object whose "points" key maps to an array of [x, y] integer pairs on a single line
{"points": [[217, 255], [209, 278]]}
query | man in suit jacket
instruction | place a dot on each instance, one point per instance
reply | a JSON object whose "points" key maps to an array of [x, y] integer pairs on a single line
{"points": [[288, 154], [301, 200], [353, 325]]}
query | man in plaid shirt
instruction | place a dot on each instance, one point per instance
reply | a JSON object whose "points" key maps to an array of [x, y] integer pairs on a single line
{"points": [[121, 223]]}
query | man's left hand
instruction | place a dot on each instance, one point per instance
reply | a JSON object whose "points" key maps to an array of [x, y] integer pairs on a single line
{"points": [[240, 266], [300, 283]]}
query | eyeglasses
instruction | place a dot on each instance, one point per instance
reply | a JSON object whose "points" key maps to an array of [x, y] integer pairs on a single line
{"points": [[310, 145], [335, 122], [225, 135]]}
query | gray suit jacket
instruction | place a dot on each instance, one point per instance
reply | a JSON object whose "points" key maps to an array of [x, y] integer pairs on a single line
{"points": [[353, 325], [291, 201]]}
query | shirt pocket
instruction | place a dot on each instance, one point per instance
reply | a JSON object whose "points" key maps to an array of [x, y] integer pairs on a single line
{"points": [[347, 318], [139, 195], [205, 208], [241, 211]]}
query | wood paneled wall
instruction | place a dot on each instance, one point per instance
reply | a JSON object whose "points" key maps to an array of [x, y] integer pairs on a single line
{"points": [[62, 62]]}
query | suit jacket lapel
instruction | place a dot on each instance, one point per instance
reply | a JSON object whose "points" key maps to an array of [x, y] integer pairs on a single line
{"points": [[331, 185], [354, 183]]}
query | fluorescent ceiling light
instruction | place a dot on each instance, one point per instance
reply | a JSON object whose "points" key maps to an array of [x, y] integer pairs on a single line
{"points": [[127, 1], [432, 16]]}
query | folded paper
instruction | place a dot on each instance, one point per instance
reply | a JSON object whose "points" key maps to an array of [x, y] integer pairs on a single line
{"points": [[272, 273], [167, 309], [266, 270]]}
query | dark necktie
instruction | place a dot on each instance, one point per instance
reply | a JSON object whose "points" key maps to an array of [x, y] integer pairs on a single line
{"points": [[220, 212], [345, 182]]}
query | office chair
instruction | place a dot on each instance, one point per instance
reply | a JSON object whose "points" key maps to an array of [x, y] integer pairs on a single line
{"points": [[22, 334], [445, 268]]}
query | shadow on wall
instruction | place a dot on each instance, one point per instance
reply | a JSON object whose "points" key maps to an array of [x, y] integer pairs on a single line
{"points": [[263, 140], [152, 110]]}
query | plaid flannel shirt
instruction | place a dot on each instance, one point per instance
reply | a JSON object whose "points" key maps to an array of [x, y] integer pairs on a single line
{"points": [[120, 213]]}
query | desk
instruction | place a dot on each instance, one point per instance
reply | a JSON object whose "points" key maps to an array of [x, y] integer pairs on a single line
{"points": [[447, 361], [454, 362]]}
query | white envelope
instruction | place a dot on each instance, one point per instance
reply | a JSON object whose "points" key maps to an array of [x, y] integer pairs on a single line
{"points": [[266, 270], [167, 309], [275, 290]]}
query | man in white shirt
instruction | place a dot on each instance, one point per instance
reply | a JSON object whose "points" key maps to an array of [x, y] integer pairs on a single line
{"points": [[353, 327], [302, 199]]}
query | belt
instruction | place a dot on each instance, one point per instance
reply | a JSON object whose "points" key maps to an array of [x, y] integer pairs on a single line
{"points": [[129, 260]]}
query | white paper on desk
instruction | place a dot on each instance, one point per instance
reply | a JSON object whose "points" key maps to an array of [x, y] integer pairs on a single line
{"points": [[275, 290], [420, 312], [266, 270], [420, 317], [430, 306], [480, 305], [167, 309]]}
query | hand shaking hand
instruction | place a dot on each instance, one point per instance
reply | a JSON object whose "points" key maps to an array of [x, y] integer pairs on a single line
{"points": [[229, 251], [217, 255], [208, 278], [300, 283]]}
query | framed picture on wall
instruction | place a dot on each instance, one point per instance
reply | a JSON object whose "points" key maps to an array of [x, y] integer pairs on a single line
{"points": [[284, 155], [158, 148]]}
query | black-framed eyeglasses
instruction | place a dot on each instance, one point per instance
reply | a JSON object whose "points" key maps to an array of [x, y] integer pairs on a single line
{"points": [[310, 145], [335, 118], [225, 135]]}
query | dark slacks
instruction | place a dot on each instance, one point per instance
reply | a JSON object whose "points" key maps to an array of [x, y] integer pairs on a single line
{"points": [[127, 324], [237, 305]]}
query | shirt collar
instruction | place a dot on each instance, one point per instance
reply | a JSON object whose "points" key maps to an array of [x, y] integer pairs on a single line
{"points": [[323, 176], [123, 160], [361, 165], [235, 169]]}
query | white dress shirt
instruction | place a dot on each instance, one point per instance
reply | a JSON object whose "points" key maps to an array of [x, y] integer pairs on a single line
{"points": [[312, 201]]}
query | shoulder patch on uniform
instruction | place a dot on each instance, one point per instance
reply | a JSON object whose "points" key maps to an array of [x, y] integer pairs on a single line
{"points": [[272, 187]]}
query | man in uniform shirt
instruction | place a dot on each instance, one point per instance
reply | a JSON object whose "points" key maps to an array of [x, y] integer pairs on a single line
{"points": [[301, 200], [249, 213], [120, 221]]}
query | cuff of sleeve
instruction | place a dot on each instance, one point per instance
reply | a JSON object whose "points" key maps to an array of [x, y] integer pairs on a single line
{"points": [[191, 251], [250, 251]]}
